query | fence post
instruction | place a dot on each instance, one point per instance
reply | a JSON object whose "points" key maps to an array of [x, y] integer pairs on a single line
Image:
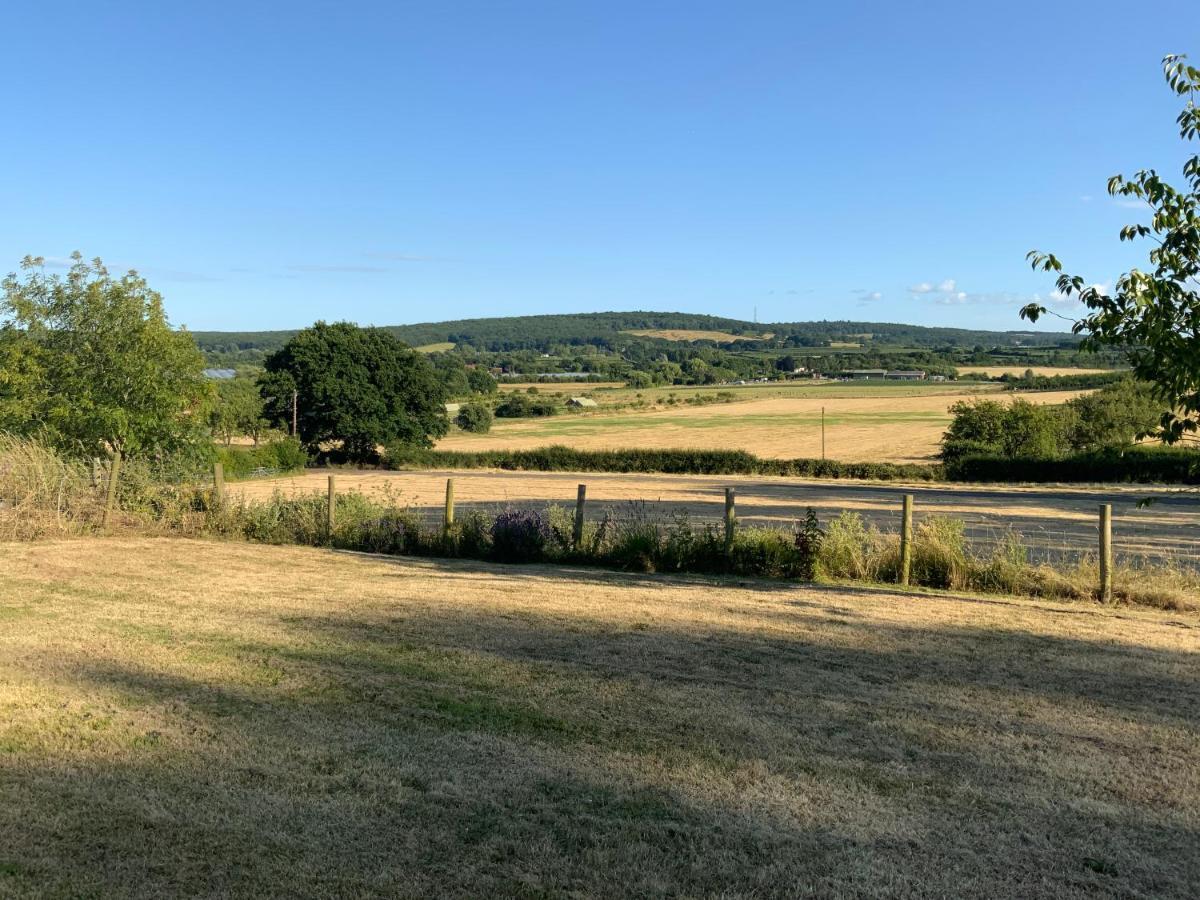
{"points": [[95, 471], [1106, 558], [332, 511], [114, 475], [906, 540], [730, 519], [449, 517], [219, 483], [577, 533]]}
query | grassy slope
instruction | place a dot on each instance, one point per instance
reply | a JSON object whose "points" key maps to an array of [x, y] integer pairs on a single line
{"points": [[200, 718]]}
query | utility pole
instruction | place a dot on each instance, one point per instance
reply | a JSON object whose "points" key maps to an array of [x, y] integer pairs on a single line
{"points": [[295, 396]]}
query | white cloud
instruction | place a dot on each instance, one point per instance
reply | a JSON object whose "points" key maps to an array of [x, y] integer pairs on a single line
{"points": [[1133, 203], [945, 286], [875, 295]]}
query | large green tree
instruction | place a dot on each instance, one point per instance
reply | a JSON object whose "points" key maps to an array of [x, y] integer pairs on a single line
{"points": [[238, 409], [90, 362], [357, 387], [1155, 314]]}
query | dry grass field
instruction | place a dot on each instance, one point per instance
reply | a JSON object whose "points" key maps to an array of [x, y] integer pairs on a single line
{"points": [[688, 334], [997, 371], [182, 718], [566, 388], [885, 426]]}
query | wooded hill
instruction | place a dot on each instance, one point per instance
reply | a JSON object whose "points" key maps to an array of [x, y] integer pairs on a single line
{"points": [[611, 329]]}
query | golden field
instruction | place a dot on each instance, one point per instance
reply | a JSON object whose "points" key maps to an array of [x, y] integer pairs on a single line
{"points": [[889, 426], [688, 334], [211, 719], [997, 371]]}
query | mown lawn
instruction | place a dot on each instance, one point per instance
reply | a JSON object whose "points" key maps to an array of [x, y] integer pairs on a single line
{"points": [[198, 718]]}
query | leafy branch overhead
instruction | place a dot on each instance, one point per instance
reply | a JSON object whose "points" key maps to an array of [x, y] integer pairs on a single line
{"points": [[1155, 314]]}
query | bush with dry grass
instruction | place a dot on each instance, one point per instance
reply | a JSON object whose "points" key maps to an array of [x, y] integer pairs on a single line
{"points": [[43, 494]]}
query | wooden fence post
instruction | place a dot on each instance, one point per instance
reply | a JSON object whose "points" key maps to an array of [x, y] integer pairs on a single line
{"points": [[114, 475], [730, 519], [449, 516], [1106, 557], [219, 483], [332, 510], [577, 533], [906, 522]]}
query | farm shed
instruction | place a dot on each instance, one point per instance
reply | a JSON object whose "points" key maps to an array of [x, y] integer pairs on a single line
{"points": [[582, 403]]}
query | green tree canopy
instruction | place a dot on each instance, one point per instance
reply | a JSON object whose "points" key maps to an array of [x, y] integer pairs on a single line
{"points": [[481, 381], [359, 387], [238, 409], [988, 427], [91, 363], [1155, 314]]}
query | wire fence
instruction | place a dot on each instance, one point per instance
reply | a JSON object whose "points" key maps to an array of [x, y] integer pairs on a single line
{"points": [[1056, 528]]}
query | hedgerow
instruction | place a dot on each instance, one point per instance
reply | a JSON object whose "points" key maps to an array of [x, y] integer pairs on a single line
{"points": [[673, 462]]}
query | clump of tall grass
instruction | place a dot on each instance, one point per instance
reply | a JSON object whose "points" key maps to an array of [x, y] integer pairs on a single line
{"points": [[42, 493]]}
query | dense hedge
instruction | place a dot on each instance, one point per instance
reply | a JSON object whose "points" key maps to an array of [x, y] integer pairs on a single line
{"points": [[674, 462], [1134, 464], [240, 462]]}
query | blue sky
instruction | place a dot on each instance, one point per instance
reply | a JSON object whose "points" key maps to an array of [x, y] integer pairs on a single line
{"points": [[266, 165]]}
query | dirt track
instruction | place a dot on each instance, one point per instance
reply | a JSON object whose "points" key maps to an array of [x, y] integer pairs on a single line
{"points": [[1053, 521]]}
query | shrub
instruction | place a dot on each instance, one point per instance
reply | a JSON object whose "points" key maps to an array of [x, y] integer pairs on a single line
{"points": [[852, 550], [520, 406], [474, 417], [286, 455], [519, 535], [809, 538], [472, 536], [1139, 463], [394, 532], [765, 552], [939, 554]]}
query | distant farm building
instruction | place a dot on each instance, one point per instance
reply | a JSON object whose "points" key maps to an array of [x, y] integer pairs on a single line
{"points": [[220, 374], [866, 373], [905, 376], [582, 403]]}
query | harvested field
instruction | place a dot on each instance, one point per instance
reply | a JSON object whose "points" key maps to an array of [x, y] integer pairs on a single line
{"points": [[997, 371], [1057, 523], [688, 334], [564, 387], [201, 718], [886, 427]]}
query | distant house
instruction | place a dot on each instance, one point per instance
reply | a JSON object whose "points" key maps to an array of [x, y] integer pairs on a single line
{"points": [[582, 403], [866, 373], [905, 376], [220, 374]]}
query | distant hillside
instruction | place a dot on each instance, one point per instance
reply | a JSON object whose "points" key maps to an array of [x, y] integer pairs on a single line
{"points": [[613, 328]]}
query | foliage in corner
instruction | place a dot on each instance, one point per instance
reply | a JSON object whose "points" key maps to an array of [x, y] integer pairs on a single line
{"points": [[90, 363], [1155, 314]]}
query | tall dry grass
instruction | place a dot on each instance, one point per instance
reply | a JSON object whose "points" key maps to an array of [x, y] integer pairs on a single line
{"points": [[43, 493]]}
